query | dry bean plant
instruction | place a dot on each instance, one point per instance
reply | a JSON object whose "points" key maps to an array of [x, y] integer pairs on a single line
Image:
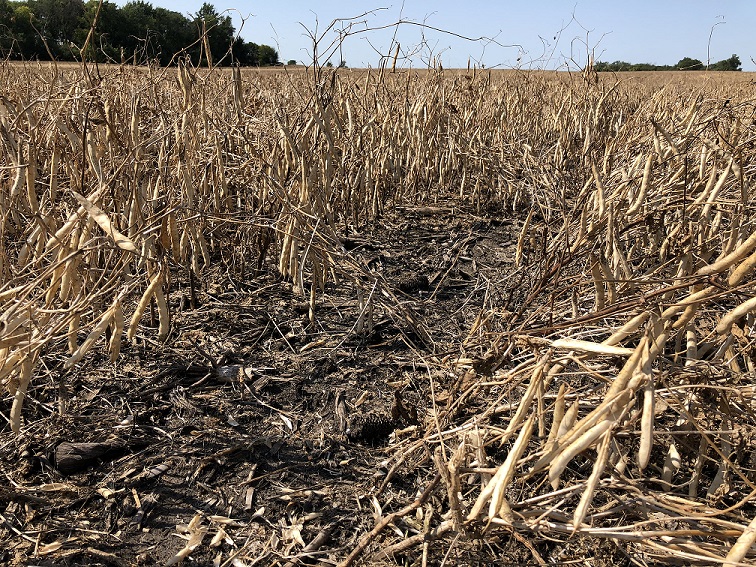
{"points": [[618, 401]]}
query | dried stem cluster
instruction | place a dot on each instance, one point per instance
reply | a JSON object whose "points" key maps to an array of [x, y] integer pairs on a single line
{"points": [[629, 353]]}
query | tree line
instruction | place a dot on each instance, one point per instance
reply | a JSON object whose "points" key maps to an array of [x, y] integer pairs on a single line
{"points": [[136, 33], [685, 64]]}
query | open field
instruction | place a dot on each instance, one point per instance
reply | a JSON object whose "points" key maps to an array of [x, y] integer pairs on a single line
{"points": [[276, 317]]}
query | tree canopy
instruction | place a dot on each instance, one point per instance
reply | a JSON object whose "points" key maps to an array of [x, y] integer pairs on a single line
{"points": [[685, 64], [731, 64], [689, 64], [138, 32]]}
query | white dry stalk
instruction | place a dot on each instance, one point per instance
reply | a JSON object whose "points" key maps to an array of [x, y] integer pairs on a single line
{"points": [[157, 281], [672, 464], [695, 480], [641, 199], [684, 320], [451, 476], [730, 259], [19, 395], [69, 278], [570, 417], [628, 329], [743, 270], [503, 476], [521, 240], [647, 425], [691, 346], [73, 331], [604, 452], [607, 415], [95, 333], [164, 317], [683, 304], [527, 398], [121, 240], [742, 546], [196, 534], [591, 347], [711, 199], [598, 282], [117, 328], [498, 498], [723, 468], [557, 417], [724, 325], [600, 191]]}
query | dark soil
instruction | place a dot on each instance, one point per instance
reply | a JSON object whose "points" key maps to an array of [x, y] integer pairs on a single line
{"points": [[261, 429]]}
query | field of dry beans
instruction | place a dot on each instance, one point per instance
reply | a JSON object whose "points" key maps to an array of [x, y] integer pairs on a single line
{"points": [[367, 318]]}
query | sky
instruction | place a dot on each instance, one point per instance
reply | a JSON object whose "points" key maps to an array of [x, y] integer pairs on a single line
{"points": [[503, 34]]}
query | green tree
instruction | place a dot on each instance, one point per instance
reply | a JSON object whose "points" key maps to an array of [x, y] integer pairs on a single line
{"points": [[250, 54], [154, 33], [266, 56], [139, 35], [105, 43], [175, 33], [23, 39], [731, 64], [245, 53], [688, 64], [6, 29], [138, 32], [220, 32], [57, 20]]}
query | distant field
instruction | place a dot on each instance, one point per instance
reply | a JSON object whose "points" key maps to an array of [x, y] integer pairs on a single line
{"points": [[687, 77]]}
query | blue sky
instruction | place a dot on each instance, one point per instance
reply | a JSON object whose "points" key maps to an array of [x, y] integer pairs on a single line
{"points": [[542, 33]]}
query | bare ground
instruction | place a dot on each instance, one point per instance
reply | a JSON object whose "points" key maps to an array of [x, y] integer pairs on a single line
{"points": [[254, 431]]}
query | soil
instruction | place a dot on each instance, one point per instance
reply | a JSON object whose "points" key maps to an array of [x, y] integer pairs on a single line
{"points": [[254, 431]]}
